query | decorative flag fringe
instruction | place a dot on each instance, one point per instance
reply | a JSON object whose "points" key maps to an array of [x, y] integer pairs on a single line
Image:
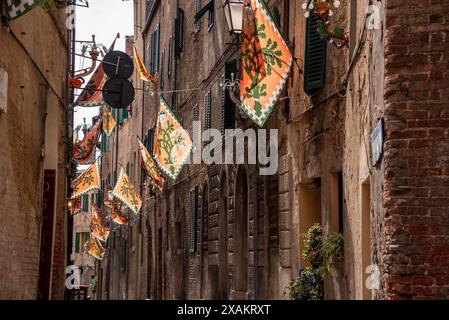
{"points": [[265, 68], [172, 142], [126, 193]]}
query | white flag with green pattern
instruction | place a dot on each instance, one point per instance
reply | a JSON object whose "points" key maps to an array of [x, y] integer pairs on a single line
{"points": [[17, 8]]}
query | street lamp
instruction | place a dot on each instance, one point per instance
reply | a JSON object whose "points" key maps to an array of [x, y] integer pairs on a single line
{"points": [[233, 10]]}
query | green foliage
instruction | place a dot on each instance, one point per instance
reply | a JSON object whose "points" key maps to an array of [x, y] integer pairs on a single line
{"points": [[93, 284], [320, 254]]}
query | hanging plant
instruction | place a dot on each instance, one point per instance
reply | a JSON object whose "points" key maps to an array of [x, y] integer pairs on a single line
{"points": [[323, 10], [320, 254]]}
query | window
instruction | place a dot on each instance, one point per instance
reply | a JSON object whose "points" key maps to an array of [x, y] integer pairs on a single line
{"points": [[277, 17], [209, 9], [195, 133], [77, 242], [162, 69], [86, 203], [228, 106], [197, 9], [170, 54], [210, 15], [193, 219], [179, 33], [207, 114], [315, 58]]}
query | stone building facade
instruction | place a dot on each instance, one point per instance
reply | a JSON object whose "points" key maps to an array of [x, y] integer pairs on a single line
{"points": [[224, 231], [34, 154]]}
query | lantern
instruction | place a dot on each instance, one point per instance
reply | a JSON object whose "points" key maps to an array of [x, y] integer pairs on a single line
{"points": [[233, 11]]}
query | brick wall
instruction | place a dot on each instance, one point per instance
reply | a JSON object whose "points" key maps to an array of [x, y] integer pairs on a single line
{"points": [[416, 190]]}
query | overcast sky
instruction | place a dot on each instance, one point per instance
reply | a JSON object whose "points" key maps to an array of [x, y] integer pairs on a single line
{"points": [[104, 18]]}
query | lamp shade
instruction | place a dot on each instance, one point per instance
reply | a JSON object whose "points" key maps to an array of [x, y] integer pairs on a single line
{"points": [[233, 10]]}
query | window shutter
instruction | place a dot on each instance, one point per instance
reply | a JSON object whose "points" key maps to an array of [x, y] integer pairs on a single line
{"points": [[85, 203], [150, 140], [229, 107], [315, 58], [162, 69], [179, 34], [193, 219], [170, 55], [125, 113], [207, 110], [210, 15], [198, 7], [77, 242], [195, 117], [156, 48]]}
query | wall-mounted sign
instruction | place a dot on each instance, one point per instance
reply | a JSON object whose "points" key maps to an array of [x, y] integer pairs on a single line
{"points": [[377, 142]]}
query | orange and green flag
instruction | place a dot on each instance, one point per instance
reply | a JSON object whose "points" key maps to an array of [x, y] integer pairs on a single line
{"points": [[83, 152], [109, 122], [126, 193], [87, 181], [95, 249], [92, 96], [172, 143], [141, 69], [150, 167], [97, 228], [266, 62], [116, 210]]}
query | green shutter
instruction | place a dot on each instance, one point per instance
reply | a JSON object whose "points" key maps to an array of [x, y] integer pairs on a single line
{"points": [[77, 242], [193, 219], [315, 58], [158, 36], [229, 108], [125, 113]]}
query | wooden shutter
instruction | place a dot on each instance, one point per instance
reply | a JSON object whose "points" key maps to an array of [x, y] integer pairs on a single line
{"points": [[77, 242], [170, 55], [85, 203], [193, 219], [229, 107], [179, 33], [162, 76], [315, 58], [210, 15], [157, 35], [198, 6], [207, 110]]}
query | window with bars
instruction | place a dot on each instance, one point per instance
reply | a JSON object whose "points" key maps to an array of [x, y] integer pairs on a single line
{"points": [[193, 219]]}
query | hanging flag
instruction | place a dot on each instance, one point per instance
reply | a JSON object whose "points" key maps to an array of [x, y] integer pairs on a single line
{"points": [[150, 167], [87, 181], [141, 69], [108, 121], [266, 62], [17, 8], [74, 206], [97, 229], [116, 210], [126, 193], [83, 152], [172, 143], [95, 249], [92, 96]]}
